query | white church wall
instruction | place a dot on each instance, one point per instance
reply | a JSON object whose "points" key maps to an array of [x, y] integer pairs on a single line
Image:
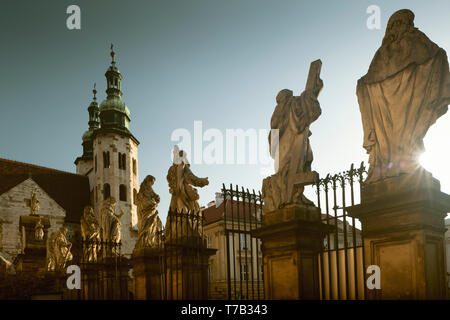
{"points": [[13, 205]]}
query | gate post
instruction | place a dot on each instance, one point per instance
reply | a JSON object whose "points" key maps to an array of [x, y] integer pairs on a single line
{"points": [[403, 227], [292, 238], [147, 274]]}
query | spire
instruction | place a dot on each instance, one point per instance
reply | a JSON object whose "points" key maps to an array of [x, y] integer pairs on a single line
{"points": [[113, 54], [94, 112], [114, 114]]}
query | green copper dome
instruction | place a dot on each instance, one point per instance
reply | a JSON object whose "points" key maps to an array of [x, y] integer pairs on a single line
{"points": [[87, 135], [114, 104]]}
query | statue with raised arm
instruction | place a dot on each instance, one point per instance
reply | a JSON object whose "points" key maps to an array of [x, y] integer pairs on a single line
{"points": [[184, 202], [181, 179], [289, 144], [90, 231], [110, 223], [58, 250], [406, 89], [149, 224]]}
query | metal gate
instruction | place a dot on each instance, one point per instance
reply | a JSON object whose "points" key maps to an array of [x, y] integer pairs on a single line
{"points": [[341, 261], [244, 258]]}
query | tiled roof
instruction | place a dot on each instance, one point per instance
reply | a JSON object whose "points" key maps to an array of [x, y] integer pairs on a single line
{"points": [[69, 190], [236, 212]]}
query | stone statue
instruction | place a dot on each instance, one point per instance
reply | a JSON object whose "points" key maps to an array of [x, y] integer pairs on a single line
{"points": [[181, 179], [90, 231], [110, 223], [39, 230], [58, 250], [149, 224], [184, 202], [289, 144], [34, 204], [406, 89]]}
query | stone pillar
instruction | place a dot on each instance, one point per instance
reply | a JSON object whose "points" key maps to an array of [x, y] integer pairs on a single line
{"points": [[403, 226], [147, 274], [292, 238], [34, 253]]}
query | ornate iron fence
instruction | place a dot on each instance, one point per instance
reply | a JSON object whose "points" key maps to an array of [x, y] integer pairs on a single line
{"points": [[245, 271], [183, 257], [342, 259]]}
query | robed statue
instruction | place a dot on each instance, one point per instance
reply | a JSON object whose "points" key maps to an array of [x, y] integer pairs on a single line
{"points": [[149, 224], [90, 231], [111, 227], [289, 144], [406, 89], [184, 207], [58, 250]]}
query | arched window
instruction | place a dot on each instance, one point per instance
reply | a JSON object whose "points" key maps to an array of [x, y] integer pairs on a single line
{"points": [[106, 159], [122, 160], [134, 166], [106, 191], [122, 193], [134, 196]]}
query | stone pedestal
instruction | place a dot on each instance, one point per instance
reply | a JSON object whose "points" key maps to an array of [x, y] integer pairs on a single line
{"points": [[34, 253], [179, 271], [292, 239], [148, 274], [402, 221]]}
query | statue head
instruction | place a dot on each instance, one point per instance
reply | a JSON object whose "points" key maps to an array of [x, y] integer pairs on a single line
{"points": [[284, 95], [63, 230], [179, 156], [148, 181], [400, 22], [88, 211]]}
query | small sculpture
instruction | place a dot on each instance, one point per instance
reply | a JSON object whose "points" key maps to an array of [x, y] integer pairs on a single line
{"points": [[90, 231], [149, 224], [289, 144], [58, 250], [34, 204], [110, 223], [39, 230], [406, 89]]}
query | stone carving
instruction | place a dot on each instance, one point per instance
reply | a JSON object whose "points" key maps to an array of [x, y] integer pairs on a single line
{"points": [[181, 179], [90, 231], [58, 250], [184, 203], [34, 204], [111, 227], [289, 144], [39, 230], [149, 224], [406, 89]]}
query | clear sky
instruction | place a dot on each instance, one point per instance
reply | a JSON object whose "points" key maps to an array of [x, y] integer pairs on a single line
{"points": [[221, 62]]}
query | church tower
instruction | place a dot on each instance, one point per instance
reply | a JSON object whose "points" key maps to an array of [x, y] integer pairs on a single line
{"points": [[112, 151]]}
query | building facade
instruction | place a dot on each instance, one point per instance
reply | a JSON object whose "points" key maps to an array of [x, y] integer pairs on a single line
{"points": [[242, 268]]}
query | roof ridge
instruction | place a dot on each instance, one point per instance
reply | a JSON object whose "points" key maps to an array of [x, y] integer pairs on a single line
{"points": [[38, 167]]}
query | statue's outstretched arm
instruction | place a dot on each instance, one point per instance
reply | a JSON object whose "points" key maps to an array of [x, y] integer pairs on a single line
{"points": [[193, 179]]}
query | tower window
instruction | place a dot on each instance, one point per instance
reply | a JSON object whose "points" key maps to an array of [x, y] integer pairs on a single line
{"points": [[95, 163], [134, 166], [122, 193], [106, 191], [134, 196], [122, 160], [106, 162]]}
